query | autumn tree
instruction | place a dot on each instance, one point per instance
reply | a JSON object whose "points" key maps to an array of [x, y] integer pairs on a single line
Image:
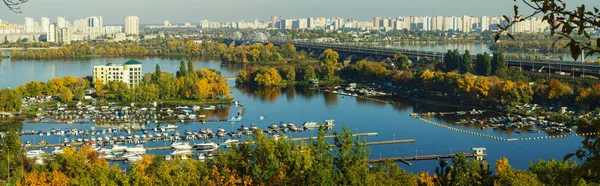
{"points": [[329, 63], [65, 94]]}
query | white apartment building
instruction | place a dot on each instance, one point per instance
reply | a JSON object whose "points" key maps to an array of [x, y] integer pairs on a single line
{"points": [[132, 25], [129, 72]]}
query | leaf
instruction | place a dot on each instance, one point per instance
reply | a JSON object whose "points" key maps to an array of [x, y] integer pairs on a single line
{"points": [[511, 36], [506, 18], [568, 156], [575, 50]]}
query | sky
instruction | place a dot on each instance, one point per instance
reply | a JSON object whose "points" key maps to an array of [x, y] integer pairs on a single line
{"points": [[180, 11]]}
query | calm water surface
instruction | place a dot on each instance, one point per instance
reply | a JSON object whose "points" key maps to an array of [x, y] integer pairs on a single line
{"points": [[297, 105]]}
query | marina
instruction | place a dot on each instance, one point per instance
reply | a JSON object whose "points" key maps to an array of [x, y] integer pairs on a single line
{"points": [[296, 104]]}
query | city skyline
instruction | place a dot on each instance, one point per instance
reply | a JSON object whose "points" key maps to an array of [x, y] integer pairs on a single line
{"points": [[190, 11]]}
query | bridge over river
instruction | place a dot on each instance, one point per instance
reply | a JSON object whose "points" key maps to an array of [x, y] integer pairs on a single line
{"points": [[358, 52]]}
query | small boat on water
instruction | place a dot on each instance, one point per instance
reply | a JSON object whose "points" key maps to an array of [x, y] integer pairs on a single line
{"points": [[237, 118], [309, 124], [253, 127], [273, 126], [181, 152], [196, 108], [210, 107], [228, 142], [134, 158], [57, 150], [34, 153], [171, 127]]}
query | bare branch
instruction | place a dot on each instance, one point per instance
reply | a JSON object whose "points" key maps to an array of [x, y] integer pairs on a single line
{"points": [[13, 5]]}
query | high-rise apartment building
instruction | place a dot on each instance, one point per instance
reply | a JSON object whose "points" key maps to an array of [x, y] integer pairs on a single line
{"points": [[93, 22], [64, 36], [45, 25], [132, 25], [485, 23], [29, 25], [61, 22], [376, 22]]}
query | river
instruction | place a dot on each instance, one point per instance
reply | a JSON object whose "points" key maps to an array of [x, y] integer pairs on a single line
{"points": [[297, 104]]}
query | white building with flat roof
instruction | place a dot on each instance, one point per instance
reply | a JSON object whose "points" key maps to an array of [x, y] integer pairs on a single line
{"points": [[129, 72]]}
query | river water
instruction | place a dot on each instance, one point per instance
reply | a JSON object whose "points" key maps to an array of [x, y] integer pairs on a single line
{"points": [[297, 104]]}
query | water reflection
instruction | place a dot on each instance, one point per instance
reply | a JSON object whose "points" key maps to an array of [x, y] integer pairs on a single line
{"points": [[11, 124], [264, 94], [330, 99]]}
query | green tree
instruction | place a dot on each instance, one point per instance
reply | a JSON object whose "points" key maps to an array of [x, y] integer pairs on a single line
{"points": [[466, 63], [156, 74], [498, 62], [402, 60], [182, 70], [190, 67], [350, 158], [484, 64], [12, 157]]}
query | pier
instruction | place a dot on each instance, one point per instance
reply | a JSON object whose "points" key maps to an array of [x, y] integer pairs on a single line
{"points": [[477, 153]]}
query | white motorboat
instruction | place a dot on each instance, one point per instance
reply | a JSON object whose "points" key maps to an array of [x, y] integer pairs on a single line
{"points": [[119, 147], [228, 142], [181, 146], [181, 152], [107, 156], [171, 127], [201, 157], [138, 149], [192, 116], [207, 146], [134, 158], [309, 124], [196, 108], [211, 107], [34, 153], [57, 150]]}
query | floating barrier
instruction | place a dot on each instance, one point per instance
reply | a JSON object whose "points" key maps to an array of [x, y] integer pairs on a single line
{"points": [[510, 139]]}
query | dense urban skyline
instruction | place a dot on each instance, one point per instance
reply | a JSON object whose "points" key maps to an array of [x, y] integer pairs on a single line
{"points": [[192, 11]]}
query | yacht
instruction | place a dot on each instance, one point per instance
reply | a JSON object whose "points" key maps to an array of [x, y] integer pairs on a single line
{"points": [[34, 153], [196, 108], [253, 127], [207, 146], [181, 145], [181, 152], [138, 149], [201, 157], [39, 161], [134, 158], [273, 126], [192, 116]]}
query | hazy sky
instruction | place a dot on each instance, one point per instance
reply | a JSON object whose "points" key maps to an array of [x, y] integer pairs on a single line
{"points": [[179, 11]]}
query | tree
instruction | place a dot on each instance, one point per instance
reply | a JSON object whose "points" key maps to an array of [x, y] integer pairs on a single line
{"points": [[65, 94], [484, 64], [12, 156], [451, 60], [466, 63], [402, 60], [156, 74], [99, 86], [288, 50], [190, 67], [309, 73], [329, 61], [79, 94], [569, 24], [498, 62], [182, 70], [351, 158]]}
